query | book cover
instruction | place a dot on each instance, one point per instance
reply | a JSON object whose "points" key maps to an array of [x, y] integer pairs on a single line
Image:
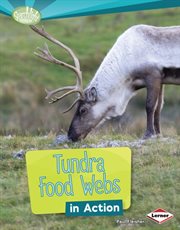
{"points": [[89, 114]]}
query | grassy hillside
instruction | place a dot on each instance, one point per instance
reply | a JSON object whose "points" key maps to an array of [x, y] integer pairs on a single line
{"points": [[155, 184], [23, 76]]}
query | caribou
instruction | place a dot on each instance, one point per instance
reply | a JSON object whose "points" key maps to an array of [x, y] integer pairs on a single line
{"points": [[142, 57]]}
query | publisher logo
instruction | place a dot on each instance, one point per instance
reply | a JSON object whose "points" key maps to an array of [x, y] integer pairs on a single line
{"points": [[160, 216], [26, 15]]}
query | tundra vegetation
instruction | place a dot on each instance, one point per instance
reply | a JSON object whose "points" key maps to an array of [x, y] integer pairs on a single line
{"points": [[27, 121]]}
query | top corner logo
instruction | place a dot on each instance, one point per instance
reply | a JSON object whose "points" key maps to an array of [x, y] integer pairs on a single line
{"points": [[26, 15], [160, 216]]}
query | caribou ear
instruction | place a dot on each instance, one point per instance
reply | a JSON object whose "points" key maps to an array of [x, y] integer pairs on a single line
{"points": [[91, 95]]}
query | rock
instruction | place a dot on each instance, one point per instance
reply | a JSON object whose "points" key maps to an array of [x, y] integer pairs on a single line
{"points": [[61, 139], [8, 137], [117, 143], [20, 154]]}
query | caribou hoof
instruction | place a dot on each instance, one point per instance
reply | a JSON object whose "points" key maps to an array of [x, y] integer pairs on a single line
{"points": [[159, 135], [148, 135]]}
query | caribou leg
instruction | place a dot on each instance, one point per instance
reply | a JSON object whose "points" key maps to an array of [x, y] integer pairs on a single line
{"points": [[158, 111], [153, 85]]}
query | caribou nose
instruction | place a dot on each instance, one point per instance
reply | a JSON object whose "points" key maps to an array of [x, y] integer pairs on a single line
{"points": [[73, 136]]}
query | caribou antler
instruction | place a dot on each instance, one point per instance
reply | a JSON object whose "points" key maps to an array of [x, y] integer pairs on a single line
{"points": [[45, 54]]}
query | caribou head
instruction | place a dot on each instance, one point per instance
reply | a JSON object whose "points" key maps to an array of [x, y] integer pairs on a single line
{"points": [[84, 119]]}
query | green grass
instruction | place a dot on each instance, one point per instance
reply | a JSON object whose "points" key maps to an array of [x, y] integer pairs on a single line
{"points": [[155, 184]]}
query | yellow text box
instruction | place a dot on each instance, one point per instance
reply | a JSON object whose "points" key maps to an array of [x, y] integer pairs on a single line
{"points": [[66, 175]]}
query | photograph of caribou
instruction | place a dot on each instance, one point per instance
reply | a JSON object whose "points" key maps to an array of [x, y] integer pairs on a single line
{"points": [[142, 57]]}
